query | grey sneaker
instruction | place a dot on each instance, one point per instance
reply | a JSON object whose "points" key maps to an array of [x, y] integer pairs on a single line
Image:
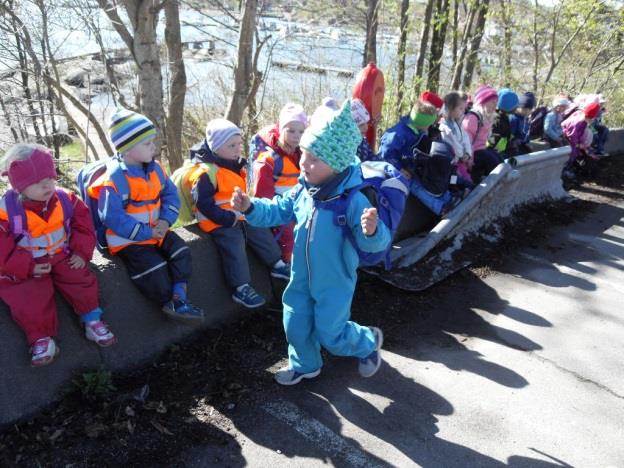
{"points": [[288, 376], [369, 366]]}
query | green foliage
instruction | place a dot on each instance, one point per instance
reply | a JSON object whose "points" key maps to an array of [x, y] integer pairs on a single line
{"points": [[94, 384]]}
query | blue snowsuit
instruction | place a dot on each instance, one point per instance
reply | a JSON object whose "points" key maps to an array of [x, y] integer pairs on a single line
{"points": [[317, 300]]}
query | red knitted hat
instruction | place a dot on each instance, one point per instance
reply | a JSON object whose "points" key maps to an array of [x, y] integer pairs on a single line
{"points": [[591, 110], [432, 98], [25, 172]]}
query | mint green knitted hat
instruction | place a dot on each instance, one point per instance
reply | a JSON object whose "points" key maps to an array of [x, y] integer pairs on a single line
{"points": [[334, 138]]}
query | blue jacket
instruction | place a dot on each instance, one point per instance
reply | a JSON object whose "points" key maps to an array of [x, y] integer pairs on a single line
{"points": [[113, 213], [204, 190], [400, 145], [366, 153], [519, 127], [552, 125], [324, 261]]}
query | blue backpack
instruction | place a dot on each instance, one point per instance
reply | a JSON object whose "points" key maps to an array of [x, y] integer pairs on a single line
{"points": [[17, 216], [387, 190], [91, 172]]}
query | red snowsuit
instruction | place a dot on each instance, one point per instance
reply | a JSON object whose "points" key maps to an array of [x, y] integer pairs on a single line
{"points": [[264, 185], [31, 299]]}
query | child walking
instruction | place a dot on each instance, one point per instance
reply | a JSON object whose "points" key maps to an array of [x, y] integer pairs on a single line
{"points": [[212, 186], [49, 251], [157, 259], [317, 300]]}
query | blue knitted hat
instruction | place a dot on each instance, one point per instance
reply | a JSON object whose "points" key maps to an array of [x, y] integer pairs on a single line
{"points": [[127, 129], [527, 100], [507, 100], [334, 138]]}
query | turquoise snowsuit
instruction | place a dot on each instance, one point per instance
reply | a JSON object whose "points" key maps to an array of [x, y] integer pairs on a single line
{"points": [[317, 300]]}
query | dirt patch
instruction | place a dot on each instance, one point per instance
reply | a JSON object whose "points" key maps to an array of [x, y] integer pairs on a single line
{"points": [[184, 398]]}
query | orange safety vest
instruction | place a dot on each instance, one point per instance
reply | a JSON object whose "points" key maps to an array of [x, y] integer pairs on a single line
{"points": [[42, 237], [286, 178], [143, 205], [226, 180]]}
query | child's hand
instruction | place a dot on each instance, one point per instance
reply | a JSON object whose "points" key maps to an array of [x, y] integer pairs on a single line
{"points": [[42, 269], [240, 200], [76, 262], [160, 230], [406, 174], [369, 221]]}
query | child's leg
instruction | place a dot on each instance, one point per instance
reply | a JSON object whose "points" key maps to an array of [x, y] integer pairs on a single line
{"points": [[78, 286], [180, 264], [231, 245], [32, 306], [304, 351], [285, 238], [333, 329], [149, 271], [263, 244]]}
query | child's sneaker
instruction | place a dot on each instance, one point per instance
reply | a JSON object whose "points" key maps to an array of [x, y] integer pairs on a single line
{"points": [[288, 376], [368, 366], [183, 310], [281, 270], [43, 352], [248, 297], [98, 331]]}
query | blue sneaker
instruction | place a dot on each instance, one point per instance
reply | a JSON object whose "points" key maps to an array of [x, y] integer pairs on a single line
{"points": [[281, 272], [288, 376], [369, 366], [248, 297], [183, 310]]}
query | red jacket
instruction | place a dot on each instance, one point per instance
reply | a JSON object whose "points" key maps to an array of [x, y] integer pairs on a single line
{"points": [[19, 263]]}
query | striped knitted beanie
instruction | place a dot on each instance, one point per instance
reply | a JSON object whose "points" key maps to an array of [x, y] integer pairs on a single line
{"points": [[334, 138], [127, 129]]}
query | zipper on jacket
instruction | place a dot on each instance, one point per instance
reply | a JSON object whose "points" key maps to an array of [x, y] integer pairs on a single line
{"points": [[311, 223]]}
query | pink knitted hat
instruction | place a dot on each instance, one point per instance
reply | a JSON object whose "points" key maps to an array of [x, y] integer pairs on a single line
{"points": [[292, 112], [484, 94], [359, 112], [25, 172]]}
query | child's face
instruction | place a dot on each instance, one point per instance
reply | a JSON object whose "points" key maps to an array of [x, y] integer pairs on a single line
{"points": [[523, 111], [458, 112], [363, 127], [143, 152], [490, 106], [41, 191], [315, 171], [291, 133], [231, 149], [559, 109]]}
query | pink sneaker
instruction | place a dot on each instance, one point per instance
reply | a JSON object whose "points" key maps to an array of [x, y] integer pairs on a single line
{"points": [[43, 352], [98, 331]]}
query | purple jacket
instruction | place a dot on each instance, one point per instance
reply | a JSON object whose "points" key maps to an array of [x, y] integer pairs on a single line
{"points": [[574, 130]]}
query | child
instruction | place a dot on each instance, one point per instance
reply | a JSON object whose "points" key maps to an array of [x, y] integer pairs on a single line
{"points": [[157, 259], [212, 190], [553, 133], [282, 141], [574, 129], [520, 125], [429, 97], [454, 134], [52, 253], [600, 131], [478, 125], [317, 300], [362, 118], [501, 136]]}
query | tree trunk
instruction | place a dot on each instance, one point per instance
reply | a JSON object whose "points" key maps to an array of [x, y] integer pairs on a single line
{"points": [[177, 87], [401, 55], [455, 29], [7, 119], [243, 73], [440, 25], [459, 63], [536, 47], [424, 40], [475, 43], [507, 20], [370, 47]]}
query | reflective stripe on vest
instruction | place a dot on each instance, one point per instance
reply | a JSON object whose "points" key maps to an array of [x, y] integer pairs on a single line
{"points": [[288, 176], [41, 237], [226, 181]]}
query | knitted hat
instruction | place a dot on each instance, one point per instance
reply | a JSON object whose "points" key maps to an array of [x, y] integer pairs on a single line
{"points": [[484, 94], [420, 119], [330, 102], [359, 112], [25, 172], [432, 98], [591, 110], [292, 112], [334, 139], [128, 128], [561, 101], [527, 100], [507, 100], [218, 131]]}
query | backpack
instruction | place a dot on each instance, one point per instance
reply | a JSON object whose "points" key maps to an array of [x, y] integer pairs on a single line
{"points": [[17, 215], [91, 172], [479, 124], [536, 122], [387, 190], [257, 145], [186, 215]]}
